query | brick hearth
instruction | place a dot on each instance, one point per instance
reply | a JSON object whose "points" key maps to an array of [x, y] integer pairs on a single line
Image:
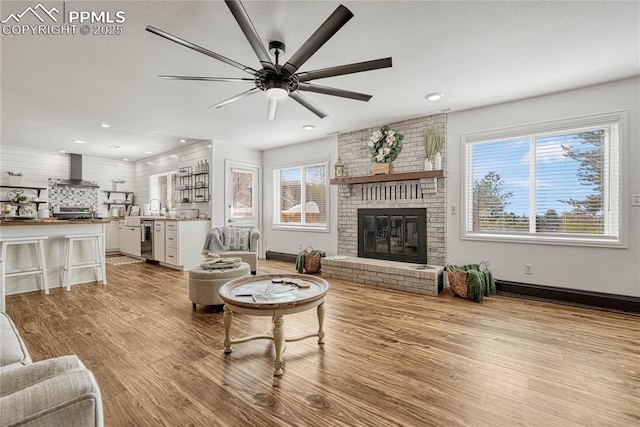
{"points": [[430, 193]]}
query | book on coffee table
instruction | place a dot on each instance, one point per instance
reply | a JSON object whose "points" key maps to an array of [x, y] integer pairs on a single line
{"points": [[274, 298]]}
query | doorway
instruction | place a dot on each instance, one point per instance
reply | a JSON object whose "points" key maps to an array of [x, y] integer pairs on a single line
{"points": [[242, 194]]}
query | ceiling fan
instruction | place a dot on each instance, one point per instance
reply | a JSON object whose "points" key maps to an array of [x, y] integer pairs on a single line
{"points": [[279, 81]]}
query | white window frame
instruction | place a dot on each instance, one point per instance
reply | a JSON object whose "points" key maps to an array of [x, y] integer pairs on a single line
{"points": [[614, 167], [275, 224], [153, 188]]}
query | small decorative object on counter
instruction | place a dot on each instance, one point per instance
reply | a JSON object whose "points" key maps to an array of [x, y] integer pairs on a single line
{"points": [[339, 167]]}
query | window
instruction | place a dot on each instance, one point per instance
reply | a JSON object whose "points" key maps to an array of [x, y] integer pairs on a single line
{"points": [[551, 183], [163, 187], [300, 196]]}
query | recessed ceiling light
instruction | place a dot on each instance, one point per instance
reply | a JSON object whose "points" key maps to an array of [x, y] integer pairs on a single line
{"points": [[182, 140], [435, 96], [149, 163], [63, 151], [173, 156], [105, 125], [77, 141], [308, 127], [125, 160], [209, 146], [148, 152]]}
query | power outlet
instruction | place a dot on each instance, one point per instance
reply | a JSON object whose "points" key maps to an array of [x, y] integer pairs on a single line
{"points": [[454, 210], [635, 200], [528, 269]]}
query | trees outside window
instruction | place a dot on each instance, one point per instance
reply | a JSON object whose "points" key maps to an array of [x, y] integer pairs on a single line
{"points": [[549, 183]]}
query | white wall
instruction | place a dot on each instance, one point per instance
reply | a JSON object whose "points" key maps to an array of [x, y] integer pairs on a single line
{"points": [[37, 166], [615, 271], [288, 241], [222, 152]]}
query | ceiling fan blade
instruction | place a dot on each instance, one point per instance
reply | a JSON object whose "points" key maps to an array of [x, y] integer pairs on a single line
{"points": [[200, 49], [236, 98], [243, 20], [210, 79], [308, 104], [333, 91], [340, 70], [334, 22], [273, 109]]}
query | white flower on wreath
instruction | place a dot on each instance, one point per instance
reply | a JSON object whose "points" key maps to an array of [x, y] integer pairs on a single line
{"points": [[384, 145]]}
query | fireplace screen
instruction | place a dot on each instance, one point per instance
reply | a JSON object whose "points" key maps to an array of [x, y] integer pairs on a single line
{"points": [[393, 234]]}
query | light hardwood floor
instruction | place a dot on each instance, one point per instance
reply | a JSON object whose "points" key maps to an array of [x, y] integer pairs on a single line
{"points": [[390, 358]]}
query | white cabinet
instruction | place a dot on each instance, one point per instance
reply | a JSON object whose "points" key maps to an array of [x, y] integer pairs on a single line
{"points": [[130, 242], [159, 241], [112, 236], [183, 243]]}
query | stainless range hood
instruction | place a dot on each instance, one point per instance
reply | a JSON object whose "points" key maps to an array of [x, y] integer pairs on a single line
{"points": [[75, 174]]}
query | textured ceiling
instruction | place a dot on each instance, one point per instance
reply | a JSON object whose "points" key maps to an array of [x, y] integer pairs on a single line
{"points": [[59, 88]]}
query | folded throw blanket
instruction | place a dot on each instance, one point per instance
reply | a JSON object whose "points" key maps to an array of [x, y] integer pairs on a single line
{"points": [[213, 245], [480, 283]]}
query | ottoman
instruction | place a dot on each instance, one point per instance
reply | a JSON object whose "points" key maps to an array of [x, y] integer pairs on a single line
{"points": [[205, 284]]}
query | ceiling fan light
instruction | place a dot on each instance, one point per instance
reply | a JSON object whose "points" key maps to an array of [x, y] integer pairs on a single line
{"points": [[277, 90], [276, 93]]}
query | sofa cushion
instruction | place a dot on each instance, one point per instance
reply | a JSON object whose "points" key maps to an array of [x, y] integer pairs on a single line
{"points": [[13, 352], [236, 238]]}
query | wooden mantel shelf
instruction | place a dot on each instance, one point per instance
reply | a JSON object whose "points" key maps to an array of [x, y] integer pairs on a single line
{"points": [[405, 176]]}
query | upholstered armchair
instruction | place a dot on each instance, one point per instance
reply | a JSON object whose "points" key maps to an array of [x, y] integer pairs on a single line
{"points": [[234, 241], [52, 392]]}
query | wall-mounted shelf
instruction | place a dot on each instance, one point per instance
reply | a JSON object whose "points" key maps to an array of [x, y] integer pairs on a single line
{"points": [[108, 192], [127, 202], [404, 176], [19, 187], [193, 183]]}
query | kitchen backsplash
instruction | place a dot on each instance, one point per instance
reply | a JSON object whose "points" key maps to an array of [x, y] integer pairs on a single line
{"points": [[63, 196]]}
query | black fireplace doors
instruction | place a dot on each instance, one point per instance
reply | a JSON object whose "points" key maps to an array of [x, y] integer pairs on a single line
{"points": [[393, 234]]}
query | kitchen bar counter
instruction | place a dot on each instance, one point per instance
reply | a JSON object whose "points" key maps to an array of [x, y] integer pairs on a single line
{"points": [[22, 257], [156, 218], [12, 223]]}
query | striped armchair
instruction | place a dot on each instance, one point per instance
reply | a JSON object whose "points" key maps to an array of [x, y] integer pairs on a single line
{"points": [[234, 241]]}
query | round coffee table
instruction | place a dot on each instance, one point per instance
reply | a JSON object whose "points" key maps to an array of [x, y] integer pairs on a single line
{"points": [[259, 296]]}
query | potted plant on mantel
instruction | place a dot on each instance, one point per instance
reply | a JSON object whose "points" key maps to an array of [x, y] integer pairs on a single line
{"points": [[432, 145], [384, 146]]}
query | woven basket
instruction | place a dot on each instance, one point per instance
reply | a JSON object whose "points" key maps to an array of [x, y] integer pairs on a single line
{"points": [[458, 283], [311, 263]]}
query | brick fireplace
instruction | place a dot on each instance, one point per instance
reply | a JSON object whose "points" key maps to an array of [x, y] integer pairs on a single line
{"points": [[424, 193]]}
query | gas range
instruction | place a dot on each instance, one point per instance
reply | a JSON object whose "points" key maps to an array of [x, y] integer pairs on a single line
{"points": [[74, 213]]}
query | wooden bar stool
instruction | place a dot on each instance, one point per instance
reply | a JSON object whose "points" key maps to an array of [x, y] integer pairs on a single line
{"points": [[41, 268], [97, 262]]}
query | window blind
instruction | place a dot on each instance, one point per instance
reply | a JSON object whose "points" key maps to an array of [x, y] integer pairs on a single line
{"points": [[561, 183]]}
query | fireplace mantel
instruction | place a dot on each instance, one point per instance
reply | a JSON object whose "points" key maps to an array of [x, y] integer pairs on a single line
{"points": [[404, 176]]}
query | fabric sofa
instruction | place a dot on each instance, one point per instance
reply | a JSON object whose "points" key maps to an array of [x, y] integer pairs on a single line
{"points": [[234, 241], [50, 393]]}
